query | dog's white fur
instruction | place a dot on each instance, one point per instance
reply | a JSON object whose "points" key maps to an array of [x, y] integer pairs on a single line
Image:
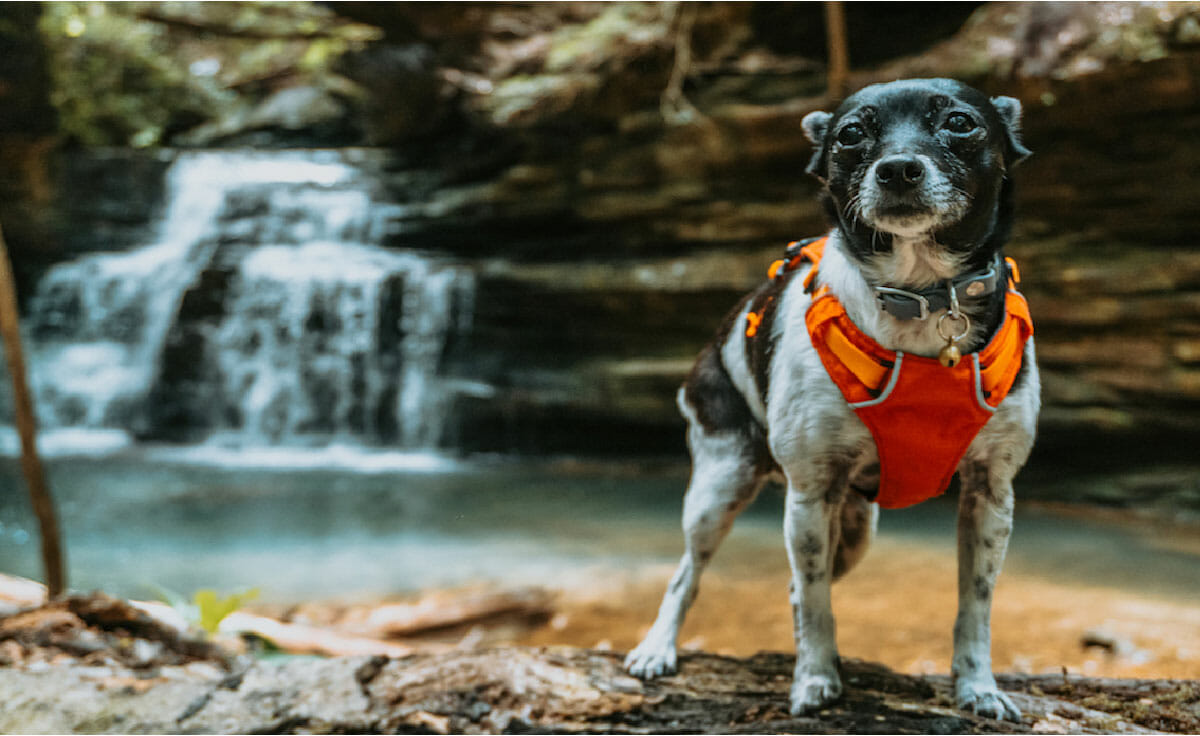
{"points": [[822, 447]]}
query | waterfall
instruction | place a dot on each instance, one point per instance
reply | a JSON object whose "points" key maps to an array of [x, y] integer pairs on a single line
{"points": [[338, 340], [99, 321], [321, 334]]}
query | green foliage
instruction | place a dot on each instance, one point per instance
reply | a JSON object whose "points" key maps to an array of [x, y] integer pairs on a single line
{"points": [[136, 74], [207, 608], [212, 608], [114, 81]]}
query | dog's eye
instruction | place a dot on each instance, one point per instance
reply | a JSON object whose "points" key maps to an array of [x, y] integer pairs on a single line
{"points": [[959, 123], [851, 135]]}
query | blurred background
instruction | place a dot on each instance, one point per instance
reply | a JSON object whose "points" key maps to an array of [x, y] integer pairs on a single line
{"points": [[358, 299]]}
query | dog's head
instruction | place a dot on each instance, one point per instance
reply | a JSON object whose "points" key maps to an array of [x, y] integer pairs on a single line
{"points": [[921, 157]]}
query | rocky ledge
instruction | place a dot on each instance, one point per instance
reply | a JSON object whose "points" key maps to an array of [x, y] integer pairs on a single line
{"points": [[95, 664], [560, 690]]}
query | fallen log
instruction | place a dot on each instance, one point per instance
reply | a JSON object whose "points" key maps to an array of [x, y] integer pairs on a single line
{"points": [[558, 690], [450, 609], [301, 639], [99, 630], [337, 632]]}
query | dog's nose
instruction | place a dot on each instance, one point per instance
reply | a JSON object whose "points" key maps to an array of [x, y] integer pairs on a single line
{"points": [[899, 173]]}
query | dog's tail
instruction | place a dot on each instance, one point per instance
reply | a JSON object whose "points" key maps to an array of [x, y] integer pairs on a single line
{"points": [[859, 519]]}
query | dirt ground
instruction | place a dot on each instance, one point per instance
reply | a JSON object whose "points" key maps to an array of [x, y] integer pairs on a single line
{"points": [[897, 608]]}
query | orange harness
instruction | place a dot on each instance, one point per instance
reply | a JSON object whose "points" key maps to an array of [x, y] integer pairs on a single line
{"points": [[922, 415]]}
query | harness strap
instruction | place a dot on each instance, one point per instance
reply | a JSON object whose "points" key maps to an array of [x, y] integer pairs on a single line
{"points": [[799, 252], [862, 357], [922, 415], [869, 364], [1000, 359], [866, 369]]}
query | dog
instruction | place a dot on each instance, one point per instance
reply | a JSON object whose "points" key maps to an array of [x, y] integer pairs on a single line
{"points": [[917, 185]]}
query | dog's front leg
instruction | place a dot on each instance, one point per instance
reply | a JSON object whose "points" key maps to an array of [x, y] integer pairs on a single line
{"points": [[984, 523], [810, 519]]}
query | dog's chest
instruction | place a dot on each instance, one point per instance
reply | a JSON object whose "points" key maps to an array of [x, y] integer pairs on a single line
{"points": [[912, 263], [818, 396]]}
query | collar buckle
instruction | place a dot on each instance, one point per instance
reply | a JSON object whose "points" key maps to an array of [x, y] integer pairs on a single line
{"points": [[906, 305], [900, 303]]}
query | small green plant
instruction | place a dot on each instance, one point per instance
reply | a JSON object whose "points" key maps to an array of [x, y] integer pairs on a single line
{"points": [[211, 607], [207, 608]]}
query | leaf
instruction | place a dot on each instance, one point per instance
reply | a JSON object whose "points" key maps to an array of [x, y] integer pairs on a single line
{"points": [[213, 608]]}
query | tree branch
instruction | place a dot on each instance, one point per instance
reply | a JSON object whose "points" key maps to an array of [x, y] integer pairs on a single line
{"points": [[26, 419]]}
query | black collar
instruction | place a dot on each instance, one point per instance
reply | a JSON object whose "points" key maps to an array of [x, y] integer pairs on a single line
{"points": [[905, 304]]}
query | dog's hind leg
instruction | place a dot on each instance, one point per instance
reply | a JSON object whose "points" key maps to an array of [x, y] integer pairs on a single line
{"points": [[858, 518], [725, 479]]}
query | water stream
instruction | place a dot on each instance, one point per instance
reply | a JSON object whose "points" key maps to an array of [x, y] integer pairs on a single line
{"points": [[303, 532], [316, 334]]}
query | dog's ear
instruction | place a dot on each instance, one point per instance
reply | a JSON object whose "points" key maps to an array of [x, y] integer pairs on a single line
{"points": [[1009, 109], [816, 125]]}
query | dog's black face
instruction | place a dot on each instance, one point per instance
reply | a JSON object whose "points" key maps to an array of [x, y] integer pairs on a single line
{"points": [[915, 158]]}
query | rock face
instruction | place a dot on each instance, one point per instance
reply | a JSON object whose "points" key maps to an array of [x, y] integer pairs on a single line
{"points": [[632, 238], [618, 174]]}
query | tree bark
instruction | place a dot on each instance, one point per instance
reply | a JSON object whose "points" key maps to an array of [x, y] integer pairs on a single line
{"points": [[31, 464], [839, 52]]}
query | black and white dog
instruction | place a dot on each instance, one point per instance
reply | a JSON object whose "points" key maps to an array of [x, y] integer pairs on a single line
{"points": [[917, 184]]}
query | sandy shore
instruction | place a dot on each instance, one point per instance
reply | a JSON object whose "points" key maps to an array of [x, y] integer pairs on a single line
{"points": [[896, 608]]}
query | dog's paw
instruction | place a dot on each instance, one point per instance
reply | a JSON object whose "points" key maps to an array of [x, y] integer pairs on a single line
{"points": [[985, 699], [811, 692], [651, 659]]}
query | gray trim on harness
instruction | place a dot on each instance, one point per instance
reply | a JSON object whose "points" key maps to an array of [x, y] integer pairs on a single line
{"points": [[887, 390]]}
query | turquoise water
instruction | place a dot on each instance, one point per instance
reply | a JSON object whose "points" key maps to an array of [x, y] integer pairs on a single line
{"points": [[141, 521]]}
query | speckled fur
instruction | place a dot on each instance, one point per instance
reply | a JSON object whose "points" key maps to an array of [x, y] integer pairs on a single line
{"points": [[752, 417]]}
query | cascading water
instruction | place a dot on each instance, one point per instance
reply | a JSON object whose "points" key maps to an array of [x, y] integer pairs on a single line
{"points": [[322, 335], [321, 348]]}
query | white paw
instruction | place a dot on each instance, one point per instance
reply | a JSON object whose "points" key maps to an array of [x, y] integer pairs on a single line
{"points": [[651, 658], [811, 692], [985, 699]]}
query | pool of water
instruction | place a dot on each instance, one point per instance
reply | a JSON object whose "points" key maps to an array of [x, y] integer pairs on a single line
{"points": [[309, 525]]}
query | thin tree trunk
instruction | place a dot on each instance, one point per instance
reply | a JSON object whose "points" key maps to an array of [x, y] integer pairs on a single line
{"points": [[31, 464], [839, 54]]}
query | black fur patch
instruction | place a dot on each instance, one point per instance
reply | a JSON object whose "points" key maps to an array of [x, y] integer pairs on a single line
{"points": [[711, 394], [718, 405], [983, 591], [866, 481]]}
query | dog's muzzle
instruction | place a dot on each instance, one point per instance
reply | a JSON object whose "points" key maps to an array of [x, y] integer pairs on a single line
{"points": [[900, 174], [906, 193]]}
